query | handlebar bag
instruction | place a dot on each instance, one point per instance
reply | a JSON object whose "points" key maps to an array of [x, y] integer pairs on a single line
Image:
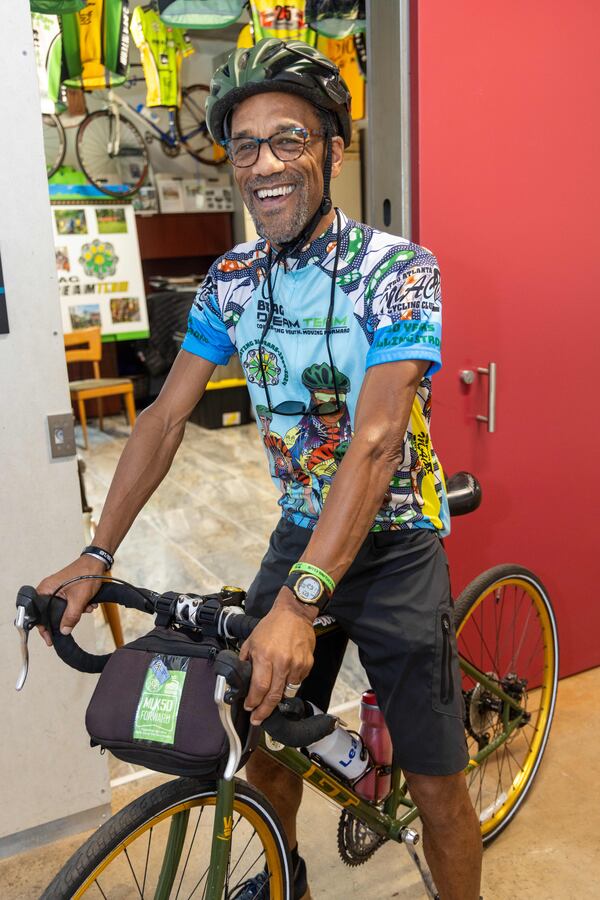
{"points": [[154, 706]]}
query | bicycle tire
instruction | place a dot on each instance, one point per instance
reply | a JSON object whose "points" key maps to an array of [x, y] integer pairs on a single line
{"points": [[55, 143], [191, 128], [117, 175], [506, 626], [117, 847]]}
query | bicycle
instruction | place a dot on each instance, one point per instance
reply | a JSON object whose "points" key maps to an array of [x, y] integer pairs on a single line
{"points": [[112, 152], [508, 645]]}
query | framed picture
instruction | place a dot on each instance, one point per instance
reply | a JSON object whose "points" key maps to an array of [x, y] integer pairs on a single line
{"points": [[170, 195]]}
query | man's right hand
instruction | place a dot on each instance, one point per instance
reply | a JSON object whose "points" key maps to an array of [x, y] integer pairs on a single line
{"points": [[79, 595]]}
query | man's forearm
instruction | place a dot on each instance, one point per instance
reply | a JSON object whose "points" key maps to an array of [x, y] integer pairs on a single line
{"points": [[145, 461]]}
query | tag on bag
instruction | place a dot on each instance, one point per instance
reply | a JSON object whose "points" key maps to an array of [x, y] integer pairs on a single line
{"points": [[158, 707]]}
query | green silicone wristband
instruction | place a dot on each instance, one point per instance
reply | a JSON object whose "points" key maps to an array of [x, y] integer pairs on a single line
{"points": [[318, 573]]}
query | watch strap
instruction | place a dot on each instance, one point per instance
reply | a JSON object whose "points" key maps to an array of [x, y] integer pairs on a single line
{"points": [[291, 582], [99, 553], [325, 579]]}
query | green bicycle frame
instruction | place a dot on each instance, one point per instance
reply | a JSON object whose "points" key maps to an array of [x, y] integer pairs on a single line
{"points": [[383, 820]]}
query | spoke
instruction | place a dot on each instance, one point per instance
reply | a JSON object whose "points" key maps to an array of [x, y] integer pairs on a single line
{"points": [[137, 884], [147, 858], [516, 762], [251, 866], [97, 883], [193, 838], [513, 661], [483, 641]]}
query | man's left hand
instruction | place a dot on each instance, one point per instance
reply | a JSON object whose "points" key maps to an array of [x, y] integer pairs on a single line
{"points": [[281, 650]]}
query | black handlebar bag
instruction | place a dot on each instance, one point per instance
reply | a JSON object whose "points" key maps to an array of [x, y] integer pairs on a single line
{"points": [[154, 706]]}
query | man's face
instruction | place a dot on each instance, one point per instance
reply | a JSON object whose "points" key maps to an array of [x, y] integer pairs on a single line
{"points": [[280, 218]]}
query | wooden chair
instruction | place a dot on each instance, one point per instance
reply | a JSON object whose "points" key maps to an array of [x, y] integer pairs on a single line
{"points": [[85, 345]]}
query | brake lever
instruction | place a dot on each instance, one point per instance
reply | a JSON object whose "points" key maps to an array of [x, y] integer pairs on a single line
{"points": [[20, 625]]}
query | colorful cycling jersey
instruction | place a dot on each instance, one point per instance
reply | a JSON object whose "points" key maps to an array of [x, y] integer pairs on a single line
{"points": [[96, 45], [336, 18], [387, 308], [280, 20], [47, 48], [343, 54], [162, 49]]}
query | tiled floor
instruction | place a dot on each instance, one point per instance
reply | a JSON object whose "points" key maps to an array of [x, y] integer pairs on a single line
{"points": [[189, 538]]}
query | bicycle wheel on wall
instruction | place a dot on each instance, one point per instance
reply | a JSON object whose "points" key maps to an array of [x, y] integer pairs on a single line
{"points": [[54, 143], [112, 153], [506, 628], [191, 127], [159, 847]]}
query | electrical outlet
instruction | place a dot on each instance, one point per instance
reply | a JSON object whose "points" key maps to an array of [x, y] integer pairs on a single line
{"points": [[62, 435]]}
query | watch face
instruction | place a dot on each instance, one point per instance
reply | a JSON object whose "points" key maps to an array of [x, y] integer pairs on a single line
{"points": [[308, 588]]}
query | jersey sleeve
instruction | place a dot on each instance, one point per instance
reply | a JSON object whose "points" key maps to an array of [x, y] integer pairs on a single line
{"points": [[136, 27], [408, 311], [207, 334]]}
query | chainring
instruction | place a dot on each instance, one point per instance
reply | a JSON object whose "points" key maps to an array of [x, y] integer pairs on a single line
{"points": [[356, 842]]}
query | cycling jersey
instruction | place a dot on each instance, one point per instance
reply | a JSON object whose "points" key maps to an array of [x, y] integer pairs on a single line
{"points": [[162, 49], [343, 54], [336, 18], [47, 48], [387, 308], [56, 7], [200, 13], [96, 45], [280, 20]]}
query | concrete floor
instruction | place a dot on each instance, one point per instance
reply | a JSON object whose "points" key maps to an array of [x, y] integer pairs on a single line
{"points": [[186, 539]]}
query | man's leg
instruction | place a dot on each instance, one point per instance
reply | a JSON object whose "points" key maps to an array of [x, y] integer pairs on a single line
{"points": [[451, 835], [282, 787]]}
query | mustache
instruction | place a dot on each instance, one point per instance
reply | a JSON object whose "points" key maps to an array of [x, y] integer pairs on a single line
{"points": [[260, 182]]}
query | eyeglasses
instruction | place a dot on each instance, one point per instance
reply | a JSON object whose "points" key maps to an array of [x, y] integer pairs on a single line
{"points": [[298, 407], [286, 145]]}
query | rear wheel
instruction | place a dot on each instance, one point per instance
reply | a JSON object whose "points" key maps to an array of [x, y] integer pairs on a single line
{"points": [[54, 143], [112, 153], [506, 627], [159, 847], [192, 129]]}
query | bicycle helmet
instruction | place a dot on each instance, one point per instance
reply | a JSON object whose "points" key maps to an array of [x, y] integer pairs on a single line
{"points": [[275, 65], [319, 377]]}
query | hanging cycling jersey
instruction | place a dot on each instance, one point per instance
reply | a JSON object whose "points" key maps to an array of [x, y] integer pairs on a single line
{"points": [[96, 45], [280, 20], [387, 307], [56, 7], [336, 18], [162, 49], [200, 13], [343, 54], [47, 49], [246, 37]]}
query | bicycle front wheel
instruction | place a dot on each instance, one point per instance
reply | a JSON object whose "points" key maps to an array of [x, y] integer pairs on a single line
{"points": [[112, 153], [54, 143], [192, 129], [506, 627], [159, 847]]}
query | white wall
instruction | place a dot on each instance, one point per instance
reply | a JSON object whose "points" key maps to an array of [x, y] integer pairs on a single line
{"points": [[47, 770]]}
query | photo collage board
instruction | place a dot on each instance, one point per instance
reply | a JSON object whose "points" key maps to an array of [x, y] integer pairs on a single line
{"points": [[99, 270]]}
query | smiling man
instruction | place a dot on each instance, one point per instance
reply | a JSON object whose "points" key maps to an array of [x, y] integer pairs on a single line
{"points": [[338, 328]]}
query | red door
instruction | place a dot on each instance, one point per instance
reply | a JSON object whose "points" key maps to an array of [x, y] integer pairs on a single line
{"points": [[508, 197]]}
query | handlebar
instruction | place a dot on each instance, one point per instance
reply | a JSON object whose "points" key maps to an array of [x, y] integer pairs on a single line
{"points": [[217, 615]]}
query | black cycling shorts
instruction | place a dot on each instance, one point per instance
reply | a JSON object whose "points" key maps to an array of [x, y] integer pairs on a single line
{"points": [[394, 602]]}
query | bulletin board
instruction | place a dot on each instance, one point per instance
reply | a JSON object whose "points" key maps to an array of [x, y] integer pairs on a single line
{"points": [[99, 269]]}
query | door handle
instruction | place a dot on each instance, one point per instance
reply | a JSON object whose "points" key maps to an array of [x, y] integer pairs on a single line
{"points": [[467, 376]]}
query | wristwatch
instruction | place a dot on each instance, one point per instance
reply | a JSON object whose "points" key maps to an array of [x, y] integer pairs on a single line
{"points": [[308, 589]]}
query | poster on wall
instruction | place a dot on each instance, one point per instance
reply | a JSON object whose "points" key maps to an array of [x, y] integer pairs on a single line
{"points": [[99, 269]]}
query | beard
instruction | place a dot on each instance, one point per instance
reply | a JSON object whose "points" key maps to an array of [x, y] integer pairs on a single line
{"points": [[276, 227]]}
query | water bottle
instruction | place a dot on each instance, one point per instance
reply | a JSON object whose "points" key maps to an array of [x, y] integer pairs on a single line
{"points": [[341, 751], [376, 738]]}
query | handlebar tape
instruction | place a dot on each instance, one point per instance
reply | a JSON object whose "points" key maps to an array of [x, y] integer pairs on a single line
{"points": [[50, 611], [300, 733]]}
